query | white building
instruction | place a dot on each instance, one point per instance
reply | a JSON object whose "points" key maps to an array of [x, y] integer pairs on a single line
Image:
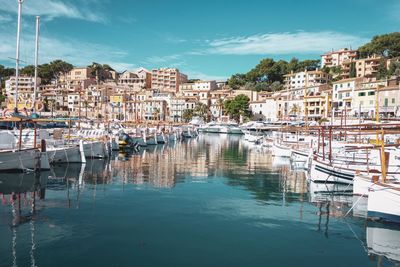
{"points": [[25, 86], [343, 93], [305, 79], [179, 105], [264, 109]]}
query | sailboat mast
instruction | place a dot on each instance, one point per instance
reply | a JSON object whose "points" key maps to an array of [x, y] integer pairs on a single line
{"points": [[17, 56], [36, 61]]}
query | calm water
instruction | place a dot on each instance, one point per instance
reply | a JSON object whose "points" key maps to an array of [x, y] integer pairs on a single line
{"points": [[210, 201]]}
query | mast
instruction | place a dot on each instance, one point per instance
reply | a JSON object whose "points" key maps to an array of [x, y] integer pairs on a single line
{"points": [[36, 62], [17, 56]]}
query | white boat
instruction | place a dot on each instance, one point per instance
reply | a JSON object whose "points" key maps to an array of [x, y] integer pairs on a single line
{"points": [[150, 139], [160, 138], [19, 160], [320, 171], [384, 202], [64, 154], [94, 149], [14, 159], [248, 136], [279, 150]]}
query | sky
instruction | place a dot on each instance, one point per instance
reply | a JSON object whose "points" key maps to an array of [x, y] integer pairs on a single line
{"points": [[207, 39]]}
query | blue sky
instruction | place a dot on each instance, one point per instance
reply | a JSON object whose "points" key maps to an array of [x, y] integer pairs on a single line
{"points": [[208, 39]]}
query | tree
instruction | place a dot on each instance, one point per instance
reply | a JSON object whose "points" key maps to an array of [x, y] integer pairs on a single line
{"points": [[394, 68], [386, 45], [28, 70], [59, 67], [201, 110], [275, 86], [187, 115], [382, 70], [237, 80], [5, 73], [295, 109], [239, 106], [353, 71]]}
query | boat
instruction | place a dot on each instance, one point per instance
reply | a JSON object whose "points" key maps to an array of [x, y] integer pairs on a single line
{"points": [[13, 158], [384, 202]]}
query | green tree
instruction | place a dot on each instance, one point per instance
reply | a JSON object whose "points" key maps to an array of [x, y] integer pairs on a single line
{"points": [[382, 70], [394, 68], [239, 106], [187, 115], [28, 70], [353, 71], [201, 110], [386, 45], [59, 67], [237, 80], [275, 86]]}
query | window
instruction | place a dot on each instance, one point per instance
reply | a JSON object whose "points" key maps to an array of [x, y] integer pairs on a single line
{"points": [[371, 93], [347, 94], [348, 85], [386, 102], [393, 100], [371, 102], [340, 96], [361, 94]]}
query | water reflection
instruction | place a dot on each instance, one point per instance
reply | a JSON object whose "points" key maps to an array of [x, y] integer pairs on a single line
{"points": [[230, 185], [384, 241]]}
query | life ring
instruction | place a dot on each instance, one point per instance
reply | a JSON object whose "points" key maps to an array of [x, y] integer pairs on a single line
{"points": [[39, 106], [28, 104]]}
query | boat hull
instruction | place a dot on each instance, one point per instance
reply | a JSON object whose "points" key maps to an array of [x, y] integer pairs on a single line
{"points": [[20, 160]]}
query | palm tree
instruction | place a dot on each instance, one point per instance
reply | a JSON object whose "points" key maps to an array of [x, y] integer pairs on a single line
{"points": [[295, 109]]}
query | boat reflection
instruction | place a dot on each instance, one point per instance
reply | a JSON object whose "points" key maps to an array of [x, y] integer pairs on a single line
{"points": [[383, 241]]}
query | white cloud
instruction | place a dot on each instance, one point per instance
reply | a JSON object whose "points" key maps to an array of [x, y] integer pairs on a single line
{"points": [[162, 59], [284, 43], [77, 52], [51, 9]]}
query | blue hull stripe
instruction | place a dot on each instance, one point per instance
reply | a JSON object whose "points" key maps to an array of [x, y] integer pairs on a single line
{"points": [[384, 216]]}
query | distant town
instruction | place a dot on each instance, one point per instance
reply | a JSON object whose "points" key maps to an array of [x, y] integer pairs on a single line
{"points": [[361, 83]]}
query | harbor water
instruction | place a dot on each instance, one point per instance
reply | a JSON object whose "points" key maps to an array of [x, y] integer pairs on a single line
{"points": [[214, 200]]}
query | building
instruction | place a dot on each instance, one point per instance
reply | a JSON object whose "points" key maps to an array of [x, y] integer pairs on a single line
{"points": [[303, 79], [26, 85], [368, 67], [343, 92], [179, 105], [167, 79], [205, 85], [136, 80], [264, 109], [80, 74], [337, 58]]}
